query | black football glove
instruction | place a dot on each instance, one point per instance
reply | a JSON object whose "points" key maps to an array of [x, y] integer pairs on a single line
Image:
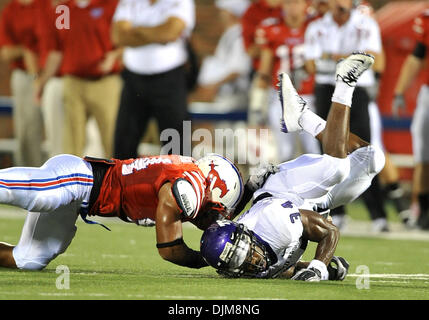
{"points": [[338, 268]]}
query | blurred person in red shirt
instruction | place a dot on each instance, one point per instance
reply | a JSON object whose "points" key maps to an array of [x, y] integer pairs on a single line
{"points": [[84, 55], [18, 46], [259, 13], [283, 50], [49, 90]]}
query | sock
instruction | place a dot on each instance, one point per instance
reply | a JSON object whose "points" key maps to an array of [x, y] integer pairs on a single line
{"points": [[343, 93], [311, 123]]}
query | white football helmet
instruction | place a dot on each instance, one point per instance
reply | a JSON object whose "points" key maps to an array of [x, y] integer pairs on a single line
{"points": [[223, 179]]}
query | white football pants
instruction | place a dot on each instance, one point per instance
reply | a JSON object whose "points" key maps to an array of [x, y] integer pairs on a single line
{"points": [[53, 194], [324, 180]]}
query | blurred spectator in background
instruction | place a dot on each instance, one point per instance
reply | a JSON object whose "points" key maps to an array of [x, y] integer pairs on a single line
{"points": [[49, 84], [338, 33], [259, 13], [420, 123], [18, 45], [283, 50], [318, 8], [389, 176], [84, 54], [154, 34], [224, 77]]}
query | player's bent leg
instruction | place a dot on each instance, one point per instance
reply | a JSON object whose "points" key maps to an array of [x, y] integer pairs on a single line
{"points": [[309, 176], [44, 236], [61, 180], [365, 164]]}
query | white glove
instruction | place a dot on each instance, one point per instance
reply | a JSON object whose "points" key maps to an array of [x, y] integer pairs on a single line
{"points": [[398, 104], [261, 174], [316, 271]]}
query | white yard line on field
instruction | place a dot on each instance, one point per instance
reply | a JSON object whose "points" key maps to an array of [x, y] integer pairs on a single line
{"points": [[401, 276]]}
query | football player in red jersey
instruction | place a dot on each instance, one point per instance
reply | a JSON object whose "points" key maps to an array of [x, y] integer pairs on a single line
{"points": [[259, 12], [283, 51], [164, 191]]}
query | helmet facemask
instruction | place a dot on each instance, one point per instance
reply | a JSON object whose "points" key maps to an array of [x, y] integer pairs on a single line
{"points": [[245, 256]]}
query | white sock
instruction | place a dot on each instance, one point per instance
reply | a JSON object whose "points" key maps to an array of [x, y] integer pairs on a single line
{"points": [[311, 123], [343, 93]]}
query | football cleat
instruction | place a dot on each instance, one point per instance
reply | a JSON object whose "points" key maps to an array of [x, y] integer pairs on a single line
{"points": [[293, 106], [351, 68]]}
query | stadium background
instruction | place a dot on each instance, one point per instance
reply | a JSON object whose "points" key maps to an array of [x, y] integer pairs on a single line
{"points": [[124, 264], [394, 17]]}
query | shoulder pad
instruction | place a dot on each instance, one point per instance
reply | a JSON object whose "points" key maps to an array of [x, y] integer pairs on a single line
{"points": [[185, 196]]}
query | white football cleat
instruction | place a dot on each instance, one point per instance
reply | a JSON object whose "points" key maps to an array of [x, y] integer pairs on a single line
{"points": [[293, 106], [351, 68]]}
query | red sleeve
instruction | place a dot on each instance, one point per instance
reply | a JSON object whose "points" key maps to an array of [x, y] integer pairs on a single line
{"points": [[248, 27], [6, 31], [47, 33], [111, 8]]}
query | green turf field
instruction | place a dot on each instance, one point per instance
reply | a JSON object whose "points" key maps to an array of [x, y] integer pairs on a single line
{"points": [[124, 264]]}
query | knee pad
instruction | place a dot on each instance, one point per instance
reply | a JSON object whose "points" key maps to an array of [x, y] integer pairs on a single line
{"points": [[343, 169], [370, 158]]}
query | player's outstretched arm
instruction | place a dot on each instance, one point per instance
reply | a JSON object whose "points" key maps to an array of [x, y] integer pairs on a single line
{"points": [[169, 235], [318, 229]]}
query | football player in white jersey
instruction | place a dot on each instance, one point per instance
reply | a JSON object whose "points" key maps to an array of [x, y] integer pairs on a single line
{"points": [[269, 239]]}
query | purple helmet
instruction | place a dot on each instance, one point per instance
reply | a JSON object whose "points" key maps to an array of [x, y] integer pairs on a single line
{"points": [[234, 250]]}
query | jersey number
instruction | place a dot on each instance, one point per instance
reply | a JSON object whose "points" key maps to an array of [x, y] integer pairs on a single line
{"points": [[293, 216], [291, 57]]}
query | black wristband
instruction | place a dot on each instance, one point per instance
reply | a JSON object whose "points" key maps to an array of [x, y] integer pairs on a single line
{"points": [[419, 50]]}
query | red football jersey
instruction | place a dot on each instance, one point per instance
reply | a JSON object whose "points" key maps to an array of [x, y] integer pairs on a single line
{"points": [[17, 27], [130, 187], [421, 30], [258, 13], [287, 45], [87, 40]]}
